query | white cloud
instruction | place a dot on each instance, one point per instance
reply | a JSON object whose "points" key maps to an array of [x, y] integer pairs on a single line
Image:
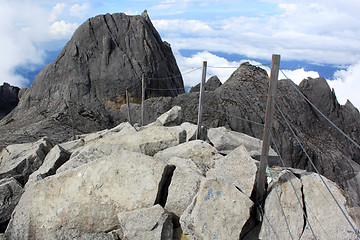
{"points": [[347, 85], [181, 26], [26, 28], [80, 11], [132, 13], [298, 75], [315, 32], [62, 29], [22, 25], [56, 11], [218, 66]]}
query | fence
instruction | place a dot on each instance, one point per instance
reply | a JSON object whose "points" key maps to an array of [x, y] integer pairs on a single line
{"points": [[268, 136]]}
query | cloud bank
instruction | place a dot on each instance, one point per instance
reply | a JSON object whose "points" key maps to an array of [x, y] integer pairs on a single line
{"points": [[347, 85], [27, 28]]}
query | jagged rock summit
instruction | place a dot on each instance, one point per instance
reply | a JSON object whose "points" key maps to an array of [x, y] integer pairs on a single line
{"points": [[153, 182], [8, 99], [85, 85]]}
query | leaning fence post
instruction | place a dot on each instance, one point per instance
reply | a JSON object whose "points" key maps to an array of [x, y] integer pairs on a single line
{"points": [[261, 177], [128, 106], [201, 100], [142, 99]]}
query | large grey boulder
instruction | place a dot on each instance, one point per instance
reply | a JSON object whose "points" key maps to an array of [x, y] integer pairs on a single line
{"points": [[323, 218], [146, 223], [218, 212], [8, 99], [284, 214], [148, 141], [184, 185], [238, 169], [53, 160], [10, 193], [21, 160], [170, 118], [201, 153], [106, 55], [322, 211], [86, 200], [226, 140]]}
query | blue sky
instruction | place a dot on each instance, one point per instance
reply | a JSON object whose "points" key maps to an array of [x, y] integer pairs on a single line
{"points": [[313, 37]]}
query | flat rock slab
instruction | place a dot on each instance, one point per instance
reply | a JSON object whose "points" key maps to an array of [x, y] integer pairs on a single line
{"points": [[146, 223], [201, 153], [148, 141], [218, 212], [86, 199], [238, 169], [225, 140], [185, 183], [325, 217], [20, 160]]}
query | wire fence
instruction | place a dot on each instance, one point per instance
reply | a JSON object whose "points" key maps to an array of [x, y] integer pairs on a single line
{"points": [[282, 117]]}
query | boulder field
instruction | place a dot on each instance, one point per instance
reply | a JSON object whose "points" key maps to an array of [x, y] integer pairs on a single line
{"points": [[157, 182]]}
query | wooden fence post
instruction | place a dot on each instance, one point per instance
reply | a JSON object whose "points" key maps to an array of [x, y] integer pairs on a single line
{"points": [[128, 106], [142, 99], [261, 177], [201, 100]]}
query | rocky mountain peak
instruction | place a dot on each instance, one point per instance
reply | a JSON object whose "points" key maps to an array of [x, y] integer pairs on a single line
{"points": [[106, 55]]}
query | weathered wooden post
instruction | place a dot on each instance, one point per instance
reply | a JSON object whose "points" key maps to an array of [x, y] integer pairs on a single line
{"points": [[128, 106], [142, 99], [261, 177], [201, 100]]}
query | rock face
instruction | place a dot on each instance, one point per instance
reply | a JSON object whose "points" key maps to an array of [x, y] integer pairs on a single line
{"points": [[86, 83], [8, 99], [186, 190]]}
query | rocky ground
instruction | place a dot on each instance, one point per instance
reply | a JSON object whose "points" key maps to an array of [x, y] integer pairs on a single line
{"points": [[158, 182]]}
